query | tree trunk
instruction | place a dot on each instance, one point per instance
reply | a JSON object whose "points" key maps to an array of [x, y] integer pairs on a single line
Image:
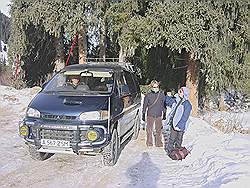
{"points": [[59, 63], [121, 55], [222, 106], [103, 40], [192, 80], [82, 43]]}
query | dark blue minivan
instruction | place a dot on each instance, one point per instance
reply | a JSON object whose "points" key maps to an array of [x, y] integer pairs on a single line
{"points": [[84, 109]]}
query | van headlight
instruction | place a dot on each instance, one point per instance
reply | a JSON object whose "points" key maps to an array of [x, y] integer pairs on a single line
{"points": [[94, 115], [31, 112]]}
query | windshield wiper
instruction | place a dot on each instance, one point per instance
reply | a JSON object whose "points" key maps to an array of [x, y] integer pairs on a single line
{"points": [[49, 92], [103, 92], [76, 92]]}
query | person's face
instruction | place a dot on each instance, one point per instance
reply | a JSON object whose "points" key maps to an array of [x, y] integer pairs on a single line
{"points": [[155, 88], [180, 92], [75, 81]]}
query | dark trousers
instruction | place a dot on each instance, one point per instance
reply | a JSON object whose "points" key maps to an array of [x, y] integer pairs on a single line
{"points": [[149, 129], [175, 140]]}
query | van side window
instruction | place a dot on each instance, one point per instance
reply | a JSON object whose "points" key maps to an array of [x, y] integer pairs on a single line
{"points": [[130, 82], [121, 80], [124, 91], [137, 86]]}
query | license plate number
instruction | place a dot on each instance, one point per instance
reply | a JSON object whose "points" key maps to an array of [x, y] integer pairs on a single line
{"points": [[56, 143]]}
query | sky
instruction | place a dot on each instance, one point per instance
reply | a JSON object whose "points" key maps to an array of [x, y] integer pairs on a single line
{"points": [[4, 7]]}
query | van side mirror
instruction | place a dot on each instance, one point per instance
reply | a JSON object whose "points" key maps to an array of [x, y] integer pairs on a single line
{"points": [[124, 89]]}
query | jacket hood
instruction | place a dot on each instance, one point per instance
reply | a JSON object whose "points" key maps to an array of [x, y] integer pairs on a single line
{"points": [[186, 92]]}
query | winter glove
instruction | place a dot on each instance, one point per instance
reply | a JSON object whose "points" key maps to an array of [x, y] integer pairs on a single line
{"points": [[164, 116], [143, 117]]}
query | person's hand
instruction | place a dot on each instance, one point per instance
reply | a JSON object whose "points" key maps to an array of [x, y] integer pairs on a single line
{"points": [[143, 117], [164, 116]]}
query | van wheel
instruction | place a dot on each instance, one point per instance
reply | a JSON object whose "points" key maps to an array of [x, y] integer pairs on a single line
{"points": [[40, 156], [111, 152], [136, 127]]}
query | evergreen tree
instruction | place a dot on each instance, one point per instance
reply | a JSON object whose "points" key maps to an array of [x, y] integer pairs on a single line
{"points": [[202, 31], [55, 16], [211, 35]]}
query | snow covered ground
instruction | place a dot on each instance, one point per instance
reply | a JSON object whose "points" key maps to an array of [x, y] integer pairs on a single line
{"points": [[229, 121], [216, 160]]}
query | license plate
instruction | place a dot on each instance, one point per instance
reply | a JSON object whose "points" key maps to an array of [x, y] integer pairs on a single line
{"points": [[56, 143]]}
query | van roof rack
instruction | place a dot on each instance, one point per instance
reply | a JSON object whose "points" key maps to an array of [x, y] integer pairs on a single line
{"points": [[127, 65], [103, 60]]}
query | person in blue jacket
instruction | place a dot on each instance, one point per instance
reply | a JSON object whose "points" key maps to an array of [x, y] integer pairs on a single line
{"points": [[178, 118]]}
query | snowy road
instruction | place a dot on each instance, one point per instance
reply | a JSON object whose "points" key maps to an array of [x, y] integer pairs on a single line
{"points": [[216, 160]]}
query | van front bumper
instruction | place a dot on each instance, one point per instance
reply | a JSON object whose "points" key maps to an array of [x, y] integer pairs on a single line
{"points": [[74, 135]]}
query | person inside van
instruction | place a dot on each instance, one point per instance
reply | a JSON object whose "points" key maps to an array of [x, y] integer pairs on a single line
{"points": [[108, 82], [99, 84], [74, 82]]}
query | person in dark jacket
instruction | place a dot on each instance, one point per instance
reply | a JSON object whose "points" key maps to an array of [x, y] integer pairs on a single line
{"points": [[178, 118], [154, 104]]}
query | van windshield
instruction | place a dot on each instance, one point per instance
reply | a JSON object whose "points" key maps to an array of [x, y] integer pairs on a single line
{"points": [[84, 81]]}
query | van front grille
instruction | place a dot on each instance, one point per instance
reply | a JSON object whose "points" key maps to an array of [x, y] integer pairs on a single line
{"points": [[58, 117], [57, 134]]}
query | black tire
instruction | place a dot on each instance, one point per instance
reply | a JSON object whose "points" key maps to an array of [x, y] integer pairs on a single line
{"points": [[110, 153], [136, 127], [40, 156]]}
